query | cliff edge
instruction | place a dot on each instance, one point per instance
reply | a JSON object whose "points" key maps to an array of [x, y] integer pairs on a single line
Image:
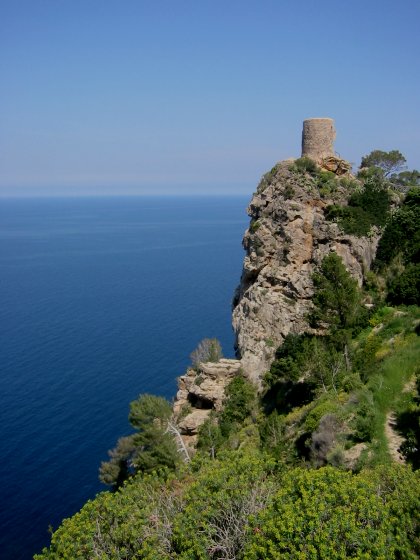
{"points": [[286, 241]]}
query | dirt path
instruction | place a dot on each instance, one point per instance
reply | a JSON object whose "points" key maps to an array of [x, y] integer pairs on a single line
{"points": [[395, 440], [393, 437]]}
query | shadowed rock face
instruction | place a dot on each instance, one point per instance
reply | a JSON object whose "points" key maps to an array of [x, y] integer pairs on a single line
{"points": [[318, 137], [287, 239]]}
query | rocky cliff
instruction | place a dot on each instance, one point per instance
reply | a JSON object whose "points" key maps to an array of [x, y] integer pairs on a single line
{"points": [[287, 239]]}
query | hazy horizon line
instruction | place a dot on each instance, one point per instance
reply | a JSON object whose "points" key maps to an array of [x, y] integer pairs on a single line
{"points": [[124, 195]]}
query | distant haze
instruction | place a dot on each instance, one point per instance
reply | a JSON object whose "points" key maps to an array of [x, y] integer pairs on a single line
{"points": [[135, 97]]}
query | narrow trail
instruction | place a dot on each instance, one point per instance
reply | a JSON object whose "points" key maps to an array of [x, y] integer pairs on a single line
{"points": [[395, 440], [393, 437]]}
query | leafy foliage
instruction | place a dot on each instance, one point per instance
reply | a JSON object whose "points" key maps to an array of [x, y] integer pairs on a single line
{"points": [[398, 254], [305, 165], [366, 208], [405, 288], [337, 297], [208, 350], [405, 179], [151, 447], [331, 514], [388, 162], [239, 506], [409, 425], [289, 359], [239, 404], [219, 505], [402, 234]]}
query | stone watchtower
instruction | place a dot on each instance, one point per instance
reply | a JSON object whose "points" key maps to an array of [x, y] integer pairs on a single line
{"points": [[318, 137]]}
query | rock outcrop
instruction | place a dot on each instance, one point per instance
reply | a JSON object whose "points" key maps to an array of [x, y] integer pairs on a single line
{"points": [[287, 239], [200, 391]]}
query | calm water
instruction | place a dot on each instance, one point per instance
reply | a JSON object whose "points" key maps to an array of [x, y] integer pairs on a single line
{"points": [[101, 299]]}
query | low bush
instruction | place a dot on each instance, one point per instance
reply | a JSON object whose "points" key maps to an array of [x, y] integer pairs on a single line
{"points": [[366, 208], [331, 514], [304, 165], [405, 288], [240, 403]]}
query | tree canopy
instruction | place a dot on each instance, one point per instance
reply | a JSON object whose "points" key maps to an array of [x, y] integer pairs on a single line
{"points": [[389, 162], [208, 350], [150, 447], [337, 296]]}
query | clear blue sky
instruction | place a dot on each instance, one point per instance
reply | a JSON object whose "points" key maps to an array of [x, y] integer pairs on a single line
{"points": [[197, 96]]}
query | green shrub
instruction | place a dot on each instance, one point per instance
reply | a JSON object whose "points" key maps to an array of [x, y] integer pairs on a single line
{"points": [[288, 192], [208, 350], [366, 208], [305, 165], [289, 359], [365, 358], [402, 233], [148, 449], [254, 226], [210, 438], [409, 424], [364, 423], [219, 505], [349, 183], [329, 514], [327, 183], [313, 418], [337, 297], [405, 289], [240, 402]]}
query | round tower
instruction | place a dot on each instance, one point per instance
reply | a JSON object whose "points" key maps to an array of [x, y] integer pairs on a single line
{"points": [[318, 137]]}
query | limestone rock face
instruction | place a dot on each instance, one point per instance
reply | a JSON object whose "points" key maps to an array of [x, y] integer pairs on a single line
{"points": [[286, 241], [200, 391], [191, 423]]}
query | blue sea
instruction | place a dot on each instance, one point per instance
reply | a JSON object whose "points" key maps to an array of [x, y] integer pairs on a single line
{"points": [[101, 299]]}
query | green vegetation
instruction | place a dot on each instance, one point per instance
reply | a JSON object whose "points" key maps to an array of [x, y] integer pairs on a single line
{"points": [[398, 255], [388, 162], [254, 226], [240, 506], [326, 394], [304, 165], [266, 179], [326, 182], [208, 350], [366, 208], [337, 298], [409, 422], [150, 447], [404, 180], [328, 514], [369, 205]]}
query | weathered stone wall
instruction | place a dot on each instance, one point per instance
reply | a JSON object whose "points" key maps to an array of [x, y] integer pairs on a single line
{"points": [[318, 137]]}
